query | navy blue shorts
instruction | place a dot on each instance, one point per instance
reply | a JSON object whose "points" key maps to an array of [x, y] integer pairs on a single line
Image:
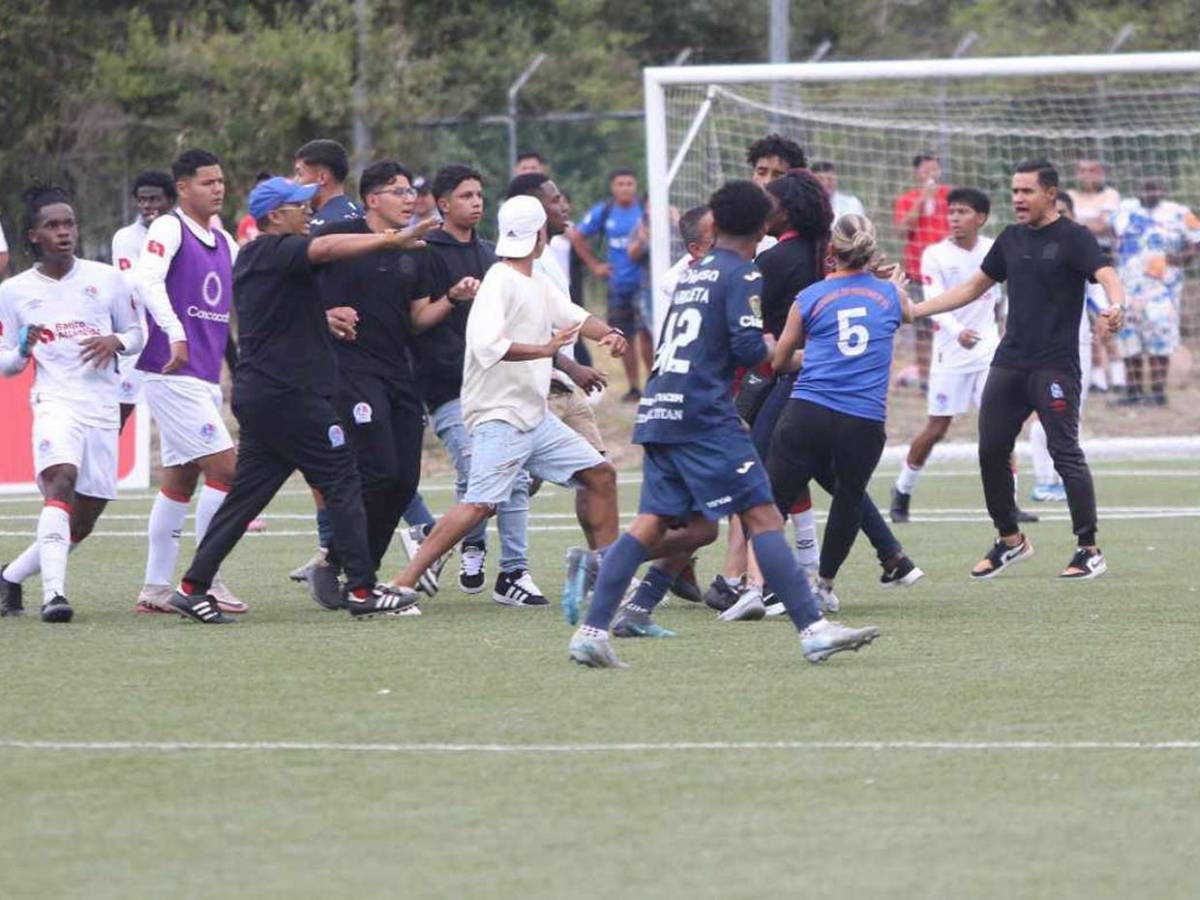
{"points": [[716, 477], [625, 309]]}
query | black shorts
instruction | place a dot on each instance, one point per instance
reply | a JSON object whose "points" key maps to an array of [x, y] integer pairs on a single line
{"points": [[811, 438], [384, 425]]}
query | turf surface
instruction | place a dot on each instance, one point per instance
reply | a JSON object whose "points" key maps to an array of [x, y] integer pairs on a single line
{"points": [[977, 669]]}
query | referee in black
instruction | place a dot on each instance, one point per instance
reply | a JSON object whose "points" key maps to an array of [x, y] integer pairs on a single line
{"points": [[282, 396], [1046, 260]]}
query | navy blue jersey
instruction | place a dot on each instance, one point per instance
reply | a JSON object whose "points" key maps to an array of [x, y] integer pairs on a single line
{"points": [[713, 325], [849, 324]]}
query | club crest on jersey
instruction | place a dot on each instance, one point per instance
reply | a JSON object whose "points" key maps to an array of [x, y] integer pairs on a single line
{"points": [[92, 291], [208, 431], [337, 437], [755, 304], [362, 413]]}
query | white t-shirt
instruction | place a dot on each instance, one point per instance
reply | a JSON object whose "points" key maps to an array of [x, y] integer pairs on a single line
{"points": [[547, 265], [945, 265], [511, 308], [559, 250], [91, 300], [127, 244], [3, 242], [150, 269], [845, 204], [1098, 207]]}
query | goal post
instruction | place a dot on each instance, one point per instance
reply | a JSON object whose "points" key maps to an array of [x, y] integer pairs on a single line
{"points": [[1138, 113]]}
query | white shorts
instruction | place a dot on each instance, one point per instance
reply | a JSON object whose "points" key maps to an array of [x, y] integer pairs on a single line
{"points": [[952, 393], [188, 414], [60, 437], [129, 391]]}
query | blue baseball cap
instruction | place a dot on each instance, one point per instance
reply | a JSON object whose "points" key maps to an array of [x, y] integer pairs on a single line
{"points": [[277, 191]]}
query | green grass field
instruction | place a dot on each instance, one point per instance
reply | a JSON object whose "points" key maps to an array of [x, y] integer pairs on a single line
{"points": [[998, 741]]}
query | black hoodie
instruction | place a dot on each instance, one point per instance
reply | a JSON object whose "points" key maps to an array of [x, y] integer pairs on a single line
{"points": [[440, 350]]}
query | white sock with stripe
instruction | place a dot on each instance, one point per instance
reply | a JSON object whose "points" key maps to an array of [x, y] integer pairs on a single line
{"points": [[212, 495], [54, 543], [166, 524]]}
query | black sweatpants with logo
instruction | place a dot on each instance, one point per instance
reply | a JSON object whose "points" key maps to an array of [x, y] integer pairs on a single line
{"points": [[1009, 396], [385, 422], [279, 435]]}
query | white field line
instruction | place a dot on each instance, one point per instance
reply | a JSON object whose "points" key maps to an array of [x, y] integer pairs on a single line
{"points": [[615, 747], [978, 518]]}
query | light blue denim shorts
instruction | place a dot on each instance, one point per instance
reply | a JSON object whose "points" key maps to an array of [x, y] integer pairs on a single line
{"points": [[499, 451]]}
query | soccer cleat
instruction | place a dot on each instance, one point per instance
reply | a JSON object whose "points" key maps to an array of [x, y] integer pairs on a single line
{"points": [[301, 574], [226, 599], [1084, 565], [383, 600], [470, 573], [749, 607], [155, 598], [685, 585], [10, 598], [582, 566], [324, 587], [518, 589], [634, 623], [57, 609], [1001, 556], [827, 600], [1048, 493], [823, 638], [899, 510], [774, 606], [201, 608], [720, 596], [595, 653], [905, 573]]}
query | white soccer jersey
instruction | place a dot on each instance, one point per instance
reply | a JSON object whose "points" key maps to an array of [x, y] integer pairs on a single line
{"points": [[945, 265], [92, 300], [127, 245]]}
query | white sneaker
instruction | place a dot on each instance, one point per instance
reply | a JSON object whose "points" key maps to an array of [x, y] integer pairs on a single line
{"points": [[226, 601], [301, 574], [155, 598], [595, 653], [518, 589], [823, 638], [827, 600], [1085, 565], [748, 608], [411, 538]]}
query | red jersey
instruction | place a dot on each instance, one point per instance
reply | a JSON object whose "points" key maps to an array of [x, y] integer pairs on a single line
{"points": [[932, 225]]}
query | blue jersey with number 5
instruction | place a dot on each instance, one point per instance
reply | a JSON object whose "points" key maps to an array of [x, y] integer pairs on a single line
{"points": [[713, 325], [849, 323]]}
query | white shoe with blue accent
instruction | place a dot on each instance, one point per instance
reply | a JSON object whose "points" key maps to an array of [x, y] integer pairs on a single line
{"points": [[823, 638]]}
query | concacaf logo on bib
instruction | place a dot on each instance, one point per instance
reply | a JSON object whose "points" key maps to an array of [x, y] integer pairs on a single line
{"points": [[362, 413], [337, 437]]}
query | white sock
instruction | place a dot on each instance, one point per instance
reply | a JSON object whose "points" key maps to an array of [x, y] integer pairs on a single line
{"points": [[54, 543], [808, 548], [210, 501], [1043, 465], [28, 563], [1116, 372], [166, 523], [908, 478], [1099, 379]]}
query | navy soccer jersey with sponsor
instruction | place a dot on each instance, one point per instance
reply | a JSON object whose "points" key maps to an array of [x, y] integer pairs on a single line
{"points": [[713, 326], [849, 323]]}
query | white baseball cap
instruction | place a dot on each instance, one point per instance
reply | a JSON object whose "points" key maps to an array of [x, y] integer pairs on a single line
{"points": [[521, 218]]}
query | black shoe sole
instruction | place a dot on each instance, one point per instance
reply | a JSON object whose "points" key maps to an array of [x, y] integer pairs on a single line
{"points": [[58, 614]]}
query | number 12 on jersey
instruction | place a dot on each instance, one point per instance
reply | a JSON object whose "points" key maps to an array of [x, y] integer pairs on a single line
{"points": [[683, 327]]}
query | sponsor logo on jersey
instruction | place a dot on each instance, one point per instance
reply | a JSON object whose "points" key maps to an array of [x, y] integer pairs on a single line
{"points": [[337, 437], [720, 501], [362, 413], [156, 248], [753, 276], [124, 264], [745, 467], [211, 289]]}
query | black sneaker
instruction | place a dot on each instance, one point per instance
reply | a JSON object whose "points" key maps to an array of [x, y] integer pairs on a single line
{"points": [[685, 585], [384, 600], [471, 573], [899, 510], [720, 596], [1001, 556], [1085, 565], [57, 610], [904, 573], [1024, 518], [201, 608], [10, 598], [518, 589]]}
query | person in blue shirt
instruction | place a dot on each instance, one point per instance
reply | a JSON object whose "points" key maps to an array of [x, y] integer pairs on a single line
{"points": [[700, 465], [618, 218], [834, 420]]}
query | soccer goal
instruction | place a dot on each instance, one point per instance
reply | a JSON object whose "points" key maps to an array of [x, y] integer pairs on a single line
{"points": [[1139, 114]]}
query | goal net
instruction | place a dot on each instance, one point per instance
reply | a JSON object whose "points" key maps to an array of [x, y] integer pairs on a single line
{"points": [[1138, 114]]}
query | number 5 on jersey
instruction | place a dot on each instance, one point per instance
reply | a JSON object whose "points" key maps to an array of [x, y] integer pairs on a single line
{"points": [[681, 329], [852, 337]]}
